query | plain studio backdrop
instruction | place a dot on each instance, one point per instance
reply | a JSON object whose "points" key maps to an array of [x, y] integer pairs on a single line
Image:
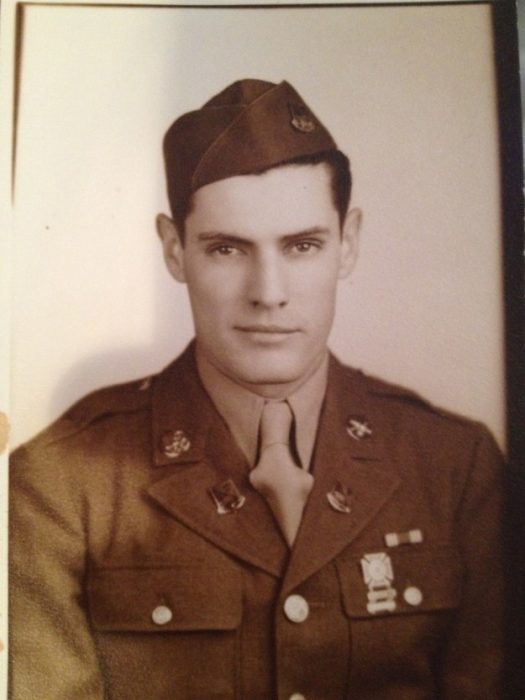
{"points": [[407, 92]]}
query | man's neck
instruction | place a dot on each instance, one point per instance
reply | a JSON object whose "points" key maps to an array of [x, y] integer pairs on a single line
{"points": [[241, 405]]}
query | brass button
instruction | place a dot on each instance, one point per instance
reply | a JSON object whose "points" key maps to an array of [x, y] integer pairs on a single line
{"points": [[161, 615], [296, 608], [413, 596], [297, 696]]}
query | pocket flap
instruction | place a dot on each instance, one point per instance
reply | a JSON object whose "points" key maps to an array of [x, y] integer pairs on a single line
{"points": [[163, 599], [423, 579]]}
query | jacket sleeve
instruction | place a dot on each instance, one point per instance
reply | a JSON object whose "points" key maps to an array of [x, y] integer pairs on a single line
{"points": [[52, 654], [474, 655]]}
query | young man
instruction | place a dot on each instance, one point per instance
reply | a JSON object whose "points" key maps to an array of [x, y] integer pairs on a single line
{"points": [[257, 521]]}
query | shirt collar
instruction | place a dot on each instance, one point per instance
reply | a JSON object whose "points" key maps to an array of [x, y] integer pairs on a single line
{"points": [[241, 409]]}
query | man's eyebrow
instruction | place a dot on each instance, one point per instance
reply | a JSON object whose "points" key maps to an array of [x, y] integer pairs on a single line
{"points": [[219, 236], [313, 231]]}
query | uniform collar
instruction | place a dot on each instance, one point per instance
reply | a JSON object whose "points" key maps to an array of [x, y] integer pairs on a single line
{"points": [[181, 411], [205, 456], [241, 409], [180, 404]]}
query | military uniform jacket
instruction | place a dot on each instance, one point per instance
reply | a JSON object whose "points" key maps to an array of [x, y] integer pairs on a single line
{"points": [[127, 583]]}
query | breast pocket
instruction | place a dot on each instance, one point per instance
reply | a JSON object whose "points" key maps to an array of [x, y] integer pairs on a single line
{"points": [[401, 607], [407, 581], [183, 598], [167, 631]]}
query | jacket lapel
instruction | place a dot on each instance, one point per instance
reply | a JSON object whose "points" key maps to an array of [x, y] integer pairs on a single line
{"points": [[358, 464], [197, 453]]}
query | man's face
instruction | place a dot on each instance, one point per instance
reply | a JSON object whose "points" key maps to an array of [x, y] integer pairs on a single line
{"points": [[262, 257]]}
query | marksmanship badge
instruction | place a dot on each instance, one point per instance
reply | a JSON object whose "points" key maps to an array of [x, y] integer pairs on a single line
{"points": [[378, 576]]}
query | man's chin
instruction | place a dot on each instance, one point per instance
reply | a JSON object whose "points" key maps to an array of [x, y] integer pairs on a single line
{"points": [[258, 368], [270, 378], [268, 375]]}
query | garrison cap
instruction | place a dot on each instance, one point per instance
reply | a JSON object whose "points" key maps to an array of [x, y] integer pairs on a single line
{"points": [[250, 126]]}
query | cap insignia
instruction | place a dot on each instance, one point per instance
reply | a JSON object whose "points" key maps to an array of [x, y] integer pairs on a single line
{"points": [[301, 119]]}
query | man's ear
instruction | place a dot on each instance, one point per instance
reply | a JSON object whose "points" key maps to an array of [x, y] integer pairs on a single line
{"points": [[172, 246], [350, 242]]}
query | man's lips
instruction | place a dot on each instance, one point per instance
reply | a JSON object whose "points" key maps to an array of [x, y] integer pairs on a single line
{"points": [[263, 328]]}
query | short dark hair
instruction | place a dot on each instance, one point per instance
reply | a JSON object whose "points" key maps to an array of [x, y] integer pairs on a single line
{"points": [[341, 181]]}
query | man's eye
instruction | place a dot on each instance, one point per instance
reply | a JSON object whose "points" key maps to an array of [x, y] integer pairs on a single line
{"points": [[223, 250], [306, 246]]}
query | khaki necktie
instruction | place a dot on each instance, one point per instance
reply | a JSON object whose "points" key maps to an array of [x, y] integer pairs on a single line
{"points": [[284, 485]]}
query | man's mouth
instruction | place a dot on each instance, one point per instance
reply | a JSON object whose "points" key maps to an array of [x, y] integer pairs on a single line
{"points": [[266, 328]]}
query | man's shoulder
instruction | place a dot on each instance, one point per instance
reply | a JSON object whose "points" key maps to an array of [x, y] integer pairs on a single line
{"points": [[115, 409], [405, 411], [399, 397], [91, 410], [128, 397]]}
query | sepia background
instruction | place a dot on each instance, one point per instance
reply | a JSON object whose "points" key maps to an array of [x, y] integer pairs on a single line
{"points": [[408, 93]]}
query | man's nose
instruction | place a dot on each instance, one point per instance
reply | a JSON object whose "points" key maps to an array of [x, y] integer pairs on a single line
{"points": [[268, 284]]}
